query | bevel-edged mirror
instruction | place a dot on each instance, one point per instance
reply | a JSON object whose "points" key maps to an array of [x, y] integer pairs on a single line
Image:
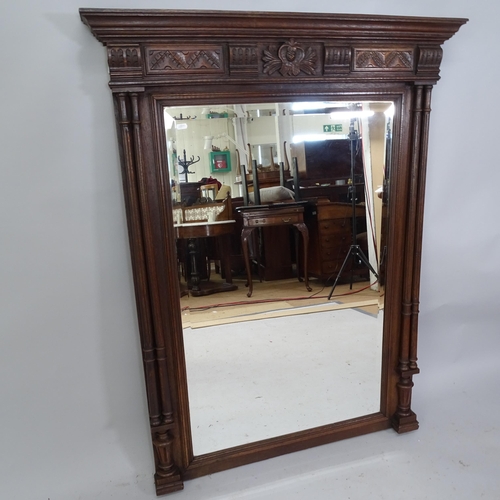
{"points": [[274, 170], [286, 358]]}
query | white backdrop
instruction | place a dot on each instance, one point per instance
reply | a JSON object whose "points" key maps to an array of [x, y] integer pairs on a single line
{"points": [[72, 402]]}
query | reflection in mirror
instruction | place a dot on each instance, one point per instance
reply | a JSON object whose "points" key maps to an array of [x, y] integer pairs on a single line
{"points": [[284, 358]]}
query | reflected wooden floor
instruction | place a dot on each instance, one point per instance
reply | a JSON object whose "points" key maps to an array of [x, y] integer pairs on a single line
{"points": [[276, 299]]}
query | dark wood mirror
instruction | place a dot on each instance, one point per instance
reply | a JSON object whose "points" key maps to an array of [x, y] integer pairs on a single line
{"points": [[212, 105]]}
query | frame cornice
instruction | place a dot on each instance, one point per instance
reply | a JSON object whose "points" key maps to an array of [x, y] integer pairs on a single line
{"points": [[156, 47]]}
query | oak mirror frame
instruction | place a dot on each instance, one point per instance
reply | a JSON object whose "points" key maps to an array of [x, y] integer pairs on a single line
{"points": [[164, 58]]}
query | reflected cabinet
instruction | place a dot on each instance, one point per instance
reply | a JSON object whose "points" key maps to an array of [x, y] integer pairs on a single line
{"points": [[327, 112]]}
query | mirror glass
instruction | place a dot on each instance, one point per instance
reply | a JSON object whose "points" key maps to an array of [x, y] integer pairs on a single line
{"points": [[284, 359]]}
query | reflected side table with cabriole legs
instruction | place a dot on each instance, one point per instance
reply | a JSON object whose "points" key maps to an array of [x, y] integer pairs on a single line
{"points": [[283, 214]]}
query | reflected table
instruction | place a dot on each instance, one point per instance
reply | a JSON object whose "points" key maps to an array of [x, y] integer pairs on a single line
{"points": [[282, 214], [192, 232]]}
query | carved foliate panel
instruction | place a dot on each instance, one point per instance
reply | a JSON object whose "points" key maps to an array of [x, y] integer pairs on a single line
{"points": [[384, 59], [175, 59], [292, 59]]}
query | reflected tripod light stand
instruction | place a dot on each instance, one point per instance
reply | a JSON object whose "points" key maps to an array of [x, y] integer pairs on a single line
{"points": [[354, 250]]}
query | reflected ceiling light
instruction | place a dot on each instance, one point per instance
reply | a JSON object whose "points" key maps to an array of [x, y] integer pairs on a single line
{"points": [[319, 105], [351, 114], [389, 112], [301, 106]]}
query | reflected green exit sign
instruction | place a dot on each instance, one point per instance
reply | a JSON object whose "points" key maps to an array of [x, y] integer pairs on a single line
{"points": [[332, 128]]}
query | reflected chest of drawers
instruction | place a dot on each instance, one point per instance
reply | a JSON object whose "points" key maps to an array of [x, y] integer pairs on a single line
{"points": [[330, 236]]}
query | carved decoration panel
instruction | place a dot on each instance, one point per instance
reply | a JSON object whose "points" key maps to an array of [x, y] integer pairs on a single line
{"points": [[291, 59], [429, 59], [384, 59], [286, 60], [338, 60], [124, 60], [203, 59], [243, 59]]}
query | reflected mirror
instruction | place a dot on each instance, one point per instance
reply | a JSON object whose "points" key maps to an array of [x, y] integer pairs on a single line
{"points": [[286, 358]]}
